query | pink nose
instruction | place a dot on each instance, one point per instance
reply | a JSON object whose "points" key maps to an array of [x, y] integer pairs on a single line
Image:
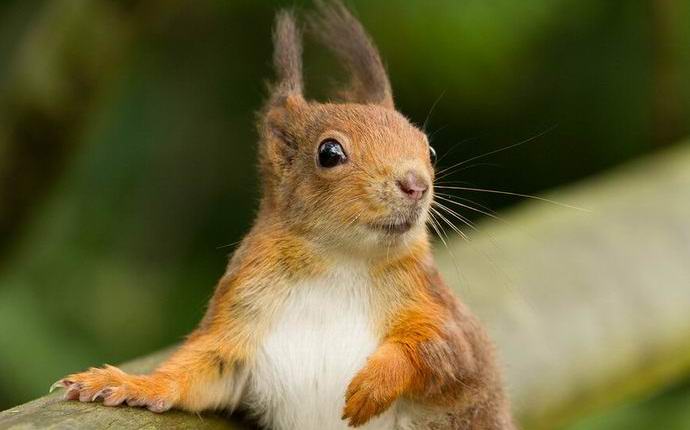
{"points": [[412, 185]]}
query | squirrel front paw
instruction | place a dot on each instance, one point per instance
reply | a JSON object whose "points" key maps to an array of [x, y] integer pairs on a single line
{"points": [[386, 376], [114, 387]]}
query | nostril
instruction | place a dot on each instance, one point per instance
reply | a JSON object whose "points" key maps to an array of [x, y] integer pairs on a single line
{"points": [[412, 186]]}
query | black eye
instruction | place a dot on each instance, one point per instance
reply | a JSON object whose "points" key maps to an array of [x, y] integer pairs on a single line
{"points": [[432, 154], [331, 153]]}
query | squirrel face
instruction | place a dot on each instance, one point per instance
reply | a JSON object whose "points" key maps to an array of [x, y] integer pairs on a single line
{"points": [[383, 186], [348, 171], [354, 172]]}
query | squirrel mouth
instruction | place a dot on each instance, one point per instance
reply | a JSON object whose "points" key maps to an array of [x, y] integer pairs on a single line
{"points": [[397, 223], [392, 227]]}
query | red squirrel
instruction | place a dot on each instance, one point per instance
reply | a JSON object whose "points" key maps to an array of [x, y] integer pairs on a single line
{"points": [[331, 312]]}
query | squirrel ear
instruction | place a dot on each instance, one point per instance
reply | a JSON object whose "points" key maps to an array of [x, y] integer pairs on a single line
{"points": [[287, 60], [338, 30], [285, 105], [285, 94]]}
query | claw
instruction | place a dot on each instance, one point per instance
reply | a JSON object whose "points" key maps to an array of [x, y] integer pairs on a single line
{"points": [[84, 396], [58, 384], [71, 394], [114, 400], [134, 402], [110, 385], [158, 406], [101, 394]]}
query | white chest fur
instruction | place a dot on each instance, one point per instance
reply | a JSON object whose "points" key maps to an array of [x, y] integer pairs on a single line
{"points": [[319, 341]]}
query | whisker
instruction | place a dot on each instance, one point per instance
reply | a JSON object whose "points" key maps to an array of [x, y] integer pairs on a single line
{"points": [[454, 213], [451, 225], [431, 136], [471, 166], [355, 218], [431, 111], [508, 193], [466, 183], [434, 225], [498, 269], [455, 145], [465, 199], [496, 217], [228, 245], [454, 259], [495, 151], [443, 173]]}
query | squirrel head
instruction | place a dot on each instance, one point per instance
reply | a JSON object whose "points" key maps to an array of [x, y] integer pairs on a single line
{"points": [[353, 173]]}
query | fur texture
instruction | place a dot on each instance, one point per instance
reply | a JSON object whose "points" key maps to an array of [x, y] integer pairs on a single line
{"points": [[310, 356], [331, 312]]}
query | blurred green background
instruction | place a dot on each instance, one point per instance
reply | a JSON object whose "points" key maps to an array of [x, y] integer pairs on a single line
{"points": [[127, 146]]}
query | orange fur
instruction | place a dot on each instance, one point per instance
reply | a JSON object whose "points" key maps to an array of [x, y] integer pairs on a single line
{"points": [[432, 351]]}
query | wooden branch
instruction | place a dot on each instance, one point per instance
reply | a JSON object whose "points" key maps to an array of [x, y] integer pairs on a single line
{"points": [[587, 308]]}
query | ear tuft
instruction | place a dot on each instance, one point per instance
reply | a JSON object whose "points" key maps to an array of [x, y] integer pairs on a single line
{"points": [[287, 58], [341, 32]]}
